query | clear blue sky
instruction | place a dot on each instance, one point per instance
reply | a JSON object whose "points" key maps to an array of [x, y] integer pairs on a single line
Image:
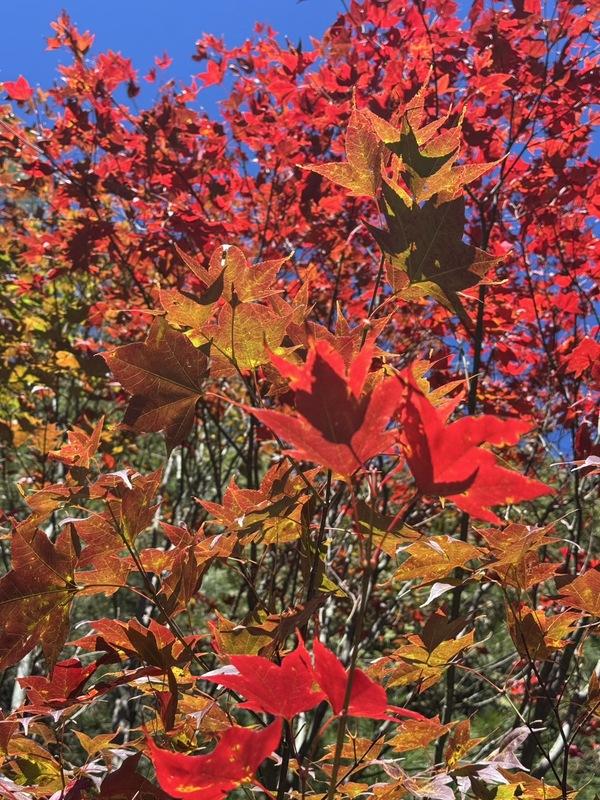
{"points": [[142, 29]]}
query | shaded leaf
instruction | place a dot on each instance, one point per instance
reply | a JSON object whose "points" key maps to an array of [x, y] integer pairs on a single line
{"points": [[165, 375], [584, 592], [516, 560], [36, 595], [426, 253], [60, 689], [80, 447]]}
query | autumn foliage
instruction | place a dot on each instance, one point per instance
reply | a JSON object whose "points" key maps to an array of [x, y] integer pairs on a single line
{"points": [[299, 415]]}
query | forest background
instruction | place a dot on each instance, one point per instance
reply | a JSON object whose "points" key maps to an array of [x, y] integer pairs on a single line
{"points": [[299, 359]]}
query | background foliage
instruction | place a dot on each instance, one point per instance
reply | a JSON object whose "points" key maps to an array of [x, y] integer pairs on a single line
{"points": [[168, 535]]}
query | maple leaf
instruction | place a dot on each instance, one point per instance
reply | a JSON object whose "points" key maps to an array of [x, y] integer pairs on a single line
{"points": [[583, 357], [515, 555], [260, 633], [414, 733], [126, 782], [336, 423], [422, 155], [584, 592], [156, 644], [230, 277], [425, 157], [47, 500], [130, 511], [447, 460], [36, 595], [271, 513], [233, 762], [424, 658], [101, 567], [449, 182], [361, 173], [61, 689], [422, 663], [522, 785], [165, 376], [32, 763], [435, 788], [428, 158], [214, 74], [187, 312], [434, 558], [459, 744], [426, 253], [18, 90], [536, 635], [367, 698], [355, 750], [281, 690], [68, 35], [383, 530], [186, 562], [491, 769], [241, 335], [80, 447], [241, 281]]}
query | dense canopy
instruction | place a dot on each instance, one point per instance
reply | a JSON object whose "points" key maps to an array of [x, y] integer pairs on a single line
{"points": [[299, 414]]}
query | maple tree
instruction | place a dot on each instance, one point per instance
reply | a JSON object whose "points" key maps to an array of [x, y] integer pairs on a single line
{"points": [[300, 414]]}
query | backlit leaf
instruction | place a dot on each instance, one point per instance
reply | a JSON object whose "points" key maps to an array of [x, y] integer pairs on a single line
{"points": [[232, 763], [448, 460], [584, 592], [361, 173], [336, 422]]}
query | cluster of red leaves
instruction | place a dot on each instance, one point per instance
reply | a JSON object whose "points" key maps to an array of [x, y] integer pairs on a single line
{"points": [[284, 691], [426, 235]]}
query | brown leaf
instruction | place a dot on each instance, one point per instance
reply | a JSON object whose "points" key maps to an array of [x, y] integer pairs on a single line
{"points": [[165, 375], [435, 557], [80, 448], [515, 552], [36, 595], [412, 734]]}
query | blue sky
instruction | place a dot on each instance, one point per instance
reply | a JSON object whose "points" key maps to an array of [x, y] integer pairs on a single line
{"points": [[142, 29]]}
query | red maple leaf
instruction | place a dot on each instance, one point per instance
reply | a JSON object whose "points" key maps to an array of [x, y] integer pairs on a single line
{"points": [[367, 698], [61, 689], [234, 761], [447, 460], [583, 357], [337, 423], [18, 90], [80, 447], [282, 690]]}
